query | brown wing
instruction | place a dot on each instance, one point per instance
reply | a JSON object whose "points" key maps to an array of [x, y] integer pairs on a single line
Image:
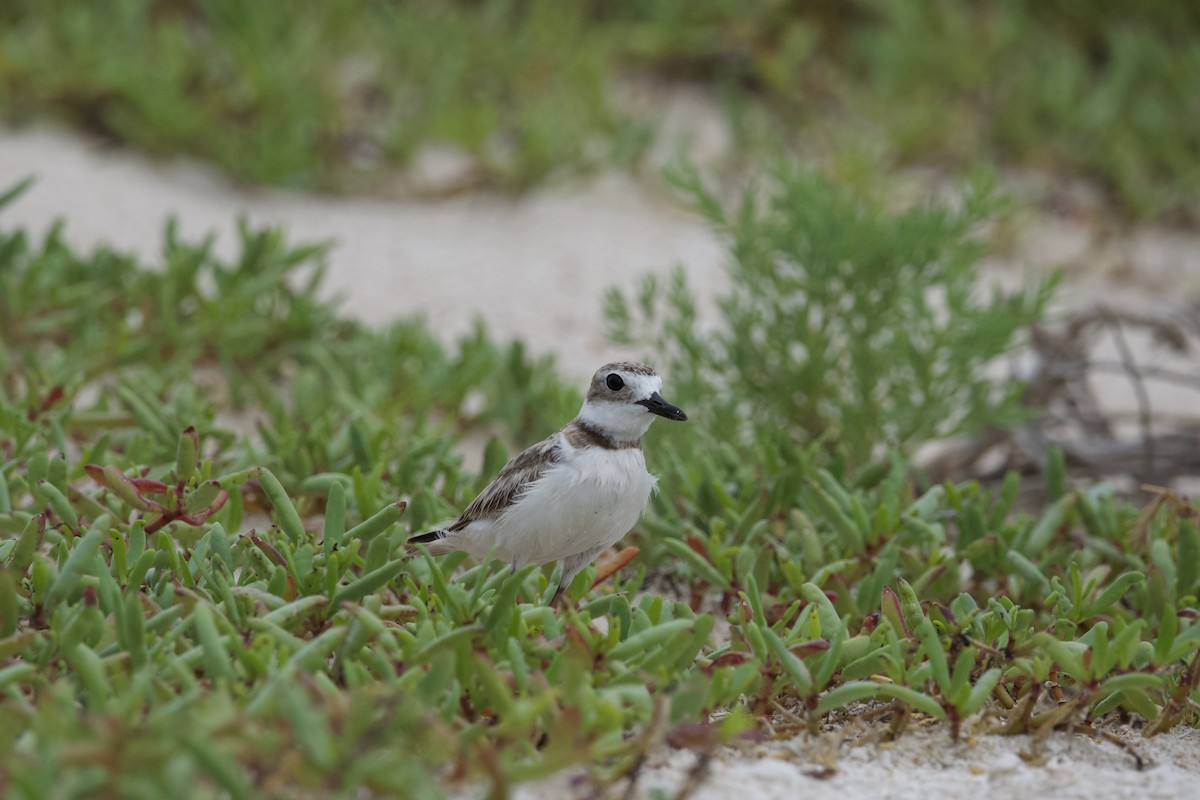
{"points": [[512, 480]]}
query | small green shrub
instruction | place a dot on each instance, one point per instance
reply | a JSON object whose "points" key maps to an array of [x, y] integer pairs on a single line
{"points": [[844, 321]]}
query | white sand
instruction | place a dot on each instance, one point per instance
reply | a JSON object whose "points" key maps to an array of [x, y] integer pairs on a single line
{"points": [[535, 268], [924, 764]]}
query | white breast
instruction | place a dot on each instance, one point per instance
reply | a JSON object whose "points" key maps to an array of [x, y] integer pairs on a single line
{"points": [[589, 499]]}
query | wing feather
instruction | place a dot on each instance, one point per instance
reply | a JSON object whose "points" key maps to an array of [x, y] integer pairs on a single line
{"points": [[511, 481]]}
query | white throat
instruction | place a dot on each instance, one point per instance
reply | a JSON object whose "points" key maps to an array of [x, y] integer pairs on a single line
{"points": [[621, 422]]}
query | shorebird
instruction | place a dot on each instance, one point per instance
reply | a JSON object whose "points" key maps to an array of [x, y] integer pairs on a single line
{"points": [[573, 495]]}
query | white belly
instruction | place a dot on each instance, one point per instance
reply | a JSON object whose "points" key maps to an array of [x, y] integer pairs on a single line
{"points": [[590, 499]]}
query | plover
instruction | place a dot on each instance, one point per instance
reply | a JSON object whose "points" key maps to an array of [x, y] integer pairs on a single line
{"points": [[573, 495]]}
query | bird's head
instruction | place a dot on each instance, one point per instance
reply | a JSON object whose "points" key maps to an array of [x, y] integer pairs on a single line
{"points": [[623, 400]]}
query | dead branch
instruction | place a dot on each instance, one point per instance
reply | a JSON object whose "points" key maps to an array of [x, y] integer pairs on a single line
{"points": [[1096, 438]]}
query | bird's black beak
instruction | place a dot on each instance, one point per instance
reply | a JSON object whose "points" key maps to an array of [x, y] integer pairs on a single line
{"points": [[656, 405]]}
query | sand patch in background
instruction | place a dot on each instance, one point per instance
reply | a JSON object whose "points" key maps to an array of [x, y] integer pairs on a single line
{"points": [[924, 764], [534, 269]]}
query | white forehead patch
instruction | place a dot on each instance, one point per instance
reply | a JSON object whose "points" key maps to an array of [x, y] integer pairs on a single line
{"points": [[641, 386]]}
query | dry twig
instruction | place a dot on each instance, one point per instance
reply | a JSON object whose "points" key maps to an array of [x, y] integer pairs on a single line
{"points": [[1095, 438]]}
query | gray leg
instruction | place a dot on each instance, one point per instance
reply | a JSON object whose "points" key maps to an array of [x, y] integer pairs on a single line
{"points": [[513, 567], [572, 566]]}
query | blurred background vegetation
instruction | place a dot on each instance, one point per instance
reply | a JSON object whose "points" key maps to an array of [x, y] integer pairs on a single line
{"points": [[331, 95]]}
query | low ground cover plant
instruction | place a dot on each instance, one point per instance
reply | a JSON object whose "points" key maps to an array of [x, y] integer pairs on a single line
{"points": [[208, 477]]}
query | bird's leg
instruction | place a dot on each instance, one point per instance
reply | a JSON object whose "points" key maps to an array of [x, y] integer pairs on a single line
{"points": [[513, 571], [569, 571], [571, 567]]}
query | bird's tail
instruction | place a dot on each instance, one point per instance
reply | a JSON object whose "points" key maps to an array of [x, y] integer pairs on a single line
{"points": [[435, 541]]}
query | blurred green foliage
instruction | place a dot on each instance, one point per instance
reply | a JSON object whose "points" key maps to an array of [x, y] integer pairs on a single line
{"points": [[1105, 89], [206, 591], [322, 95], [331, 95]]}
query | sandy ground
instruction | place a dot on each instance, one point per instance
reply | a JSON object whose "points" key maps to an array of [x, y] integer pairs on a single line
{"points": [[535, 268], [923, 765]]}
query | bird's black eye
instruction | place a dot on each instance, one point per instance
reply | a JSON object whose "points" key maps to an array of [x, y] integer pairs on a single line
{"points": [[614, 382]]}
